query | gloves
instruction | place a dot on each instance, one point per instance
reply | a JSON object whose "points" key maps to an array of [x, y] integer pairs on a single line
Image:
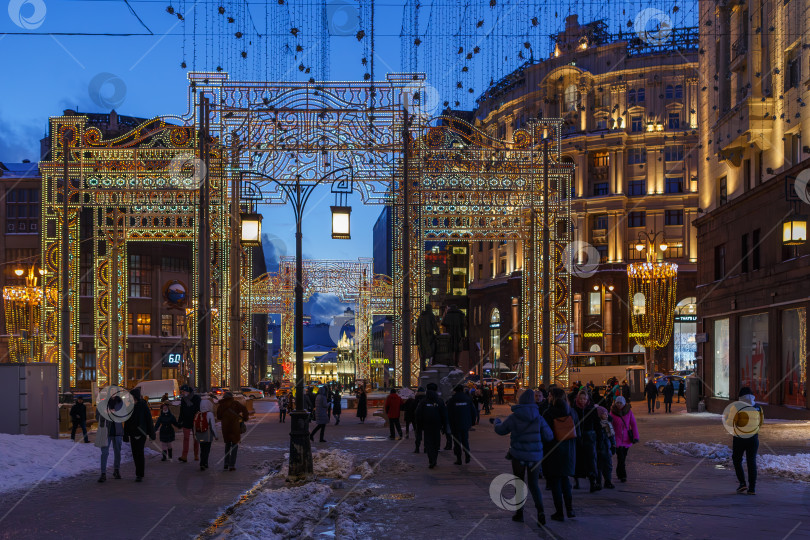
{"points": [[635, 441]]}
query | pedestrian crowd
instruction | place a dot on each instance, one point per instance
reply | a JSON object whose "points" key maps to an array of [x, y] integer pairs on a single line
{"points": [[196, 421]]}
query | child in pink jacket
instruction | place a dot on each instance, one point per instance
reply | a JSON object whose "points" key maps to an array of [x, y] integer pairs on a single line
{"points": [[624, 424]]}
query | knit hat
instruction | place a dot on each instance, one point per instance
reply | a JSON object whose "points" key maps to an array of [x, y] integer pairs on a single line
{"points": [[620, 401], [744, 391]]}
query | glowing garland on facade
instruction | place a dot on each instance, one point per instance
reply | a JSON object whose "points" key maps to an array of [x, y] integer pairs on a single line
{"points": [[652, 317]]}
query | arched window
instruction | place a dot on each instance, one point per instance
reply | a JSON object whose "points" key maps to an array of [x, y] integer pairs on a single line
{"points": [[495, 337], [571, 98], [678, 91], [631, 97], [639, 348], [595, 348], [640, 95], [639, 304]]}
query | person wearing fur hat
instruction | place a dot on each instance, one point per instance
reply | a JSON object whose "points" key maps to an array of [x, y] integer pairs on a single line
{"points": [[747, 445], [624, 426]]}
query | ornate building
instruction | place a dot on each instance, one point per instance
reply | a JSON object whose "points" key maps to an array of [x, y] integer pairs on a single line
{"points": [[754, 270], [630, 108]]}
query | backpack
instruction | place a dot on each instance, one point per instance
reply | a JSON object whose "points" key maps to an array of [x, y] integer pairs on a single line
{"points": [[201, 422], [564, 428]]}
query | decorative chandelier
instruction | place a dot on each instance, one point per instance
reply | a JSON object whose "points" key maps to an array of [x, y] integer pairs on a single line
{"points": [[653, 294], [23, 309]]}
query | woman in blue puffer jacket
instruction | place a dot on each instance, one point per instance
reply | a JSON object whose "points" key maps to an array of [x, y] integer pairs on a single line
{"points": [[528, 433]]}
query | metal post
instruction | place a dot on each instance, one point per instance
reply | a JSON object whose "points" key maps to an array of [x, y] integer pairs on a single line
{"points": [[546, 267], [204, 258], [406, 261], [65, 247], [300, 465], [235, 336]]}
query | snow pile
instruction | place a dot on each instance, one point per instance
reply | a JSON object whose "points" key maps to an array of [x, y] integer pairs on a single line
{"points": [[794, 467], [326, 464], [714, 452], [277, 513], [347, 520], [28, 459]]}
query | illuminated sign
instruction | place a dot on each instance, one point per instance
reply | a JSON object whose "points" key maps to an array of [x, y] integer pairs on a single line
{"points": [[685, 318], [592, 334], [172, 360]]}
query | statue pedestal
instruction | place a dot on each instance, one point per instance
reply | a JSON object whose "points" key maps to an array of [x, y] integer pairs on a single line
{"points": [[445, 377], [444, 350]]}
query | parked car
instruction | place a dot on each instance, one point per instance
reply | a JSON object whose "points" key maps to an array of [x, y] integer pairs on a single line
{"points": [[252, 393], [661, 382], [217, 391]]}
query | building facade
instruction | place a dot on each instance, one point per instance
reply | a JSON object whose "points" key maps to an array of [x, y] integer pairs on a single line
{"points": [[20, 185], [753, 283], [631, 120]]}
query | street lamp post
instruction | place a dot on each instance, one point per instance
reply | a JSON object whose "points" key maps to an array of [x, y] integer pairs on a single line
{"points": [[300, 465]]}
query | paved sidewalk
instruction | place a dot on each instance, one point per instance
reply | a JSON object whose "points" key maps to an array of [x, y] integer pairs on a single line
{"points": [[664, 496]]}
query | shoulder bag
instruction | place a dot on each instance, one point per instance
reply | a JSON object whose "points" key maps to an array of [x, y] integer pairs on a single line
{"points": [[564, 428]]}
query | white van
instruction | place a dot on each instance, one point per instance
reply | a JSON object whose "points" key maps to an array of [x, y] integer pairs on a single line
{"points": [[154, 390]]}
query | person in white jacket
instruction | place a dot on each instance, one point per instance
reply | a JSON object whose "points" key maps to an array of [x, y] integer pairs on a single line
{"points": [[205, 430]]}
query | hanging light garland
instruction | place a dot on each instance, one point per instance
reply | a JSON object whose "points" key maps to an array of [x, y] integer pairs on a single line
{"points": [[23, 309]]}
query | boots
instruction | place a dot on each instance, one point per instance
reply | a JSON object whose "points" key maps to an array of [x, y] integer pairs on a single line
{"points": [[595, 486], [102, 478], [116, 474], [170, 455], [569, 509], [518, 515], [164, 456], [541, 516]]}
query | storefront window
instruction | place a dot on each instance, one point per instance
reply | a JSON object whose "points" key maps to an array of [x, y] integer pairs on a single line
{"points": [[721, 358], [685, 326], [754, 354], [794, 357]]}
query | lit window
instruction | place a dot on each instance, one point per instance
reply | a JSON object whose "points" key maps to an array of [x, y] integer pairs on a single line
{"points": [[434, 270], [571, 98]]}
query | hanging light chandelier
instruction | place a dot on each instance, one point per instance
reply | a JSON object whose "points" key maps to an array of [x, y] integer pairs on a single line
{"points": [[653, 295], [23, 308]]}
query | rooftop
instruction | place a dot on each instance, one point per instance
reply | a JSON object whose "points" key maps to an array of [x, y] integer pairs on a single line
{"points": [[19, 170]]}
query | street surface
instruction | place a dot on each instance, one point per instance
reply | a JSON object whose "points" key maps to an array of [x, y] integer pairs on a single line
{"points": [[665, 496]]}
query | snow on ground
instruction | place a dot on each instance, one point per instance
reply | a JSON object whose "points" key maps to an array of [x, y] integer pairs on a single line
{"points": [[331, 464], [296, 512], [277, 513], [28, 459], [794, 467], [265, 406]]}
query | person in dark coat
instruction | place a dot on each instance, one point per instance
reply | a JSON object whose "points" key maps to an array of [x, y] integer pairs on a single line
{"points": [[189, 407], [164, 425], [417, 399], [78, 415], [282, 409], [501, 392], [460, 410], [321, 414], [669, 393], [309, 402], [137, 428], [427, 328], [651, 392], [337, 406], [393, 408], [626, 390], [681, 388], [455, 324], [431, 416], [586, 444], [362, 404], [231, 414], [605, 447], [542, 402], [409, 408], [747, 445], [626, 431], [560, 455], [528, 432]]}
